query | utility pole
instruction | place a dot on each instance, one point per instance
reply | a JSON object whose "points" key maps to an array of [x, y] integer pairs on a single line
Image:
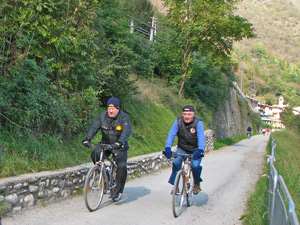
{"points": [[153, 29], [242, 79], [131, 26], [242, 67]]}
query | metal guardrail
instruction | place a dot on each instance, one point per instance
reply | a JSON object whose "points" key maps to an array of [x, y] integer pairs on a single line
{"points": [[281, 205]]}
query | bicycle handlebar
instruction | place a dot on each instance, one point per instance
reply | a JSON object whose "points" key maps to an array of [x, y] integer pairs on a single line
{"points": [[105, 147], [182, 154], [187, 155]]}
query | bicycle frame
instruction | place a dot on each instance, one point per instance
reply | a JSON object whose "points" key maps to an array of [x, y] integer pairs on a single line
{"points": [[109, 179], [183, 185]]}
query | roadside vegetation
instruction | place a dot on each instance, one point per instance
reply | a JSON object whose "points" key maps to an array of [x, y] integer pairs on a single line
{"points": [[287, 156], [152, 113], [61, 61], [269, 64]]}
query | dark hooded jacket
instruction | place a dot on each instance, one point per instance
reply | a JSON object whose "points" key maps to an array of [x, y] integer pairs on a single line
{"points": [[117, 129]]}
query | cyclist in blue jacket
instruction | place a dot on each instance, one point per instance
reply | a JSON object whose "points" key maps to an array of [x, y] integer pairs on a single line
{"points": [[191, 139]]}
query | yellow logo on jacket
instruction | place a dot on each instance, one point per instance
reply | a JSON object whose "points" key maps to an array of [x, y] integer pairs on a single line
{"points": [[119, 128], [192, 130]]}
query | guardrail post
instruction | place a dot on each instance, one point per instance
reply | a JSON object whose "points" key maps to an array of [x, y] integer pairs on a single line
{"points": [[272, 190]]}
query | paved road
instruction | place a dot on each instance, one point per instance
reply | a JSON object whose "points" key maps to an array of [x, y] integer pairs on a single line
{"points": [[229, 176]]}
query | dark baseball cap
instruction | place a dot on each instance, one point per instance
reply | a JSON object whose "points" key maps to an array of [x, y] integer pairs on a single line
{"points": [[188, 108]]}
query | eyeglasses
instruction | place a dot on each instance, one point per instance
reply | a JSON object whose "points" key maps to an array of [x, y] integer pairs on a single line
{"points": [[188, 113]]}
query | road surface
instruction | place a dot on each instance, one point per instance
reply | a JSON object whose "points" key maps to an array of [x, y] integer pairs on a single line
{"points": [[229, 176]]}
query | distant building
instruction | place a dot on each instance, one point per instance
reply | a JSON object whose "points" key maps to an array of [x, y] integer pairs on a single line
{"points": [[256, 105], [270, 113]]}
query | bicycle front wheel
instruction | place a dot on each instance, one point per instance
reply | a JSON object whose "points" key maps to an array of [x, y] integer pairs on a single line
{"points": [[190, 189], [178, 194], [94, 188]]}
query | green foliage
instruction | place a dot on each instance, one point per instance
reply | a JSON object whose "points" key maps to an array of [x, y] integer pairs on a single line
{"points": [[26, 153], [290, 120], [210, 32], [208, 83], [29, 100], [287, 162], [257, 206], [141, 10], [57, 59], [152, 112], [271, 60]]}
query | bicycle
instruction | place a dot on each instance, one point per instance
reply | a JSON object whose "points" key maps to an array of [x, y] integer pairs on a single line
{"points": [[100, 179], [249, 134], [183, 185]]}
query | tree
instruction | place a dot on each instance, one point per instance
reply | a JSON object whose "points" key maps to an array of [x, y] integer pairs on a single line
{"points": [[206, 26], [56, 58]]}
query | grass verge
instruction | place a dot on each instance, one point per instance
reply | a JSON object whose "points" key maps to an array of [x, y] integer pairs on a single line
{"points": [[152, 112], [287, 156]]}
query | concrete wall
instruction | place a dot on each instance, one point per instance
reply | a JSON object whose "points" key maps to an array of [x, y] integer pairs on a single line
{"points": [[28, 190]]}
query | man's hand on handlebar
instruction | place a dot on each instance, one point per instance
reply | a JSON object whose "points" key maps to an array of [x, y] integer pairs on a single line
{"points": [[198, 154], [167, 152], [87, 143]]}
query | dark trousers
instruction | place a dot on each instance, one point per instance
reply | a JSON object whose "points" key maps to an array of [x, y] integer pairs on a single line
{"points": [[121, 159]]}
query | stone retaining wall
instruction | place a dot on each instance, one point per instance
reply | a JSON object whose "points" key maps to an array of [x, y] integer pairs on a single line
{"points": [[28, 190]]}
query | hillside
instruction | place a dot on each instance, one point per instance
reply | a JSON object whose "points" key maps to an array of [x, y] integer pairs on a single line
{"points": [[277, 26], [269, 63]]}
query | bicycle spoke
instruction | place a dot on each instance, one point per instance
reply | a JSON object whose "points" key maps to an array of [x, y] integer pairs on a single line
{"points": [[178, 194], [94, 188]]}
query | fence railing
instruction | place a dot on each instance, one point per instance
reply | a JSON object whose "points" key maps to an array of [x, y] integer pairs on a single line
{"points": [[281, 205]]}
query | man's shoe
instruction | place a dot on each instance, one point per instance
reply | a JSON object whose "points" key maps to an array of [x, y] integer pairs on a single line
{"points": [[197, 188], [116, 196]]}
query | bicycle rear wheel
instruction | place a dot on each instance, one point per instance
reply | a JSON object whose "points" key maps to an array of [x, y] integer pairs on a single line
{"points": [[190, 189], [178, 194], [94, 188]]}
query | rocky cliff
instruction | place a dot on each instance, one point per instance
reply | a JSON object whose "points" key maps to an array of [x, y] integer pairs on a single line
{"points": [[234, 116]]}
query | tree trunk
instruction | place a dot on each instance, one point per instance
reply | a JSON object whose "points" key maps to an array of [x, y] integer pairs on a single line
{"points": [[185, 68]]}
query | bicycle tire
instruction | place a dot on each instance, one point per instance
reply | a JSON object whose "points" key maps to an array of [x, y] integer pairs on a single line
{"points": [[94, 188], [178, 194], [190, 189]]}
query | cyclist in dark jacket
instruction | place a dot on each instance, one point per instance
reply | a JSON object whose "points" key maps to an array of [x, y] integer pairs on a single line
{"points": [[249, 131], [116, 129], [191, 139]]}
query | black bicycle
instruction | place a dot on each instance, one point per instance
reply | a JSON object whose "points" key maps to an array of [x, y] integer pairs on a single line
{"points": [[100, 180], [183, 185]]}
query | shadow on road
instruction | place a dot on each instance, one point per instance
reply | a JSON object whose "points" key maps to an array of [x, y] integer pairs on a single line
{"points": [[130, 194], [200, 199], [235, 145], [133, 193]]}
